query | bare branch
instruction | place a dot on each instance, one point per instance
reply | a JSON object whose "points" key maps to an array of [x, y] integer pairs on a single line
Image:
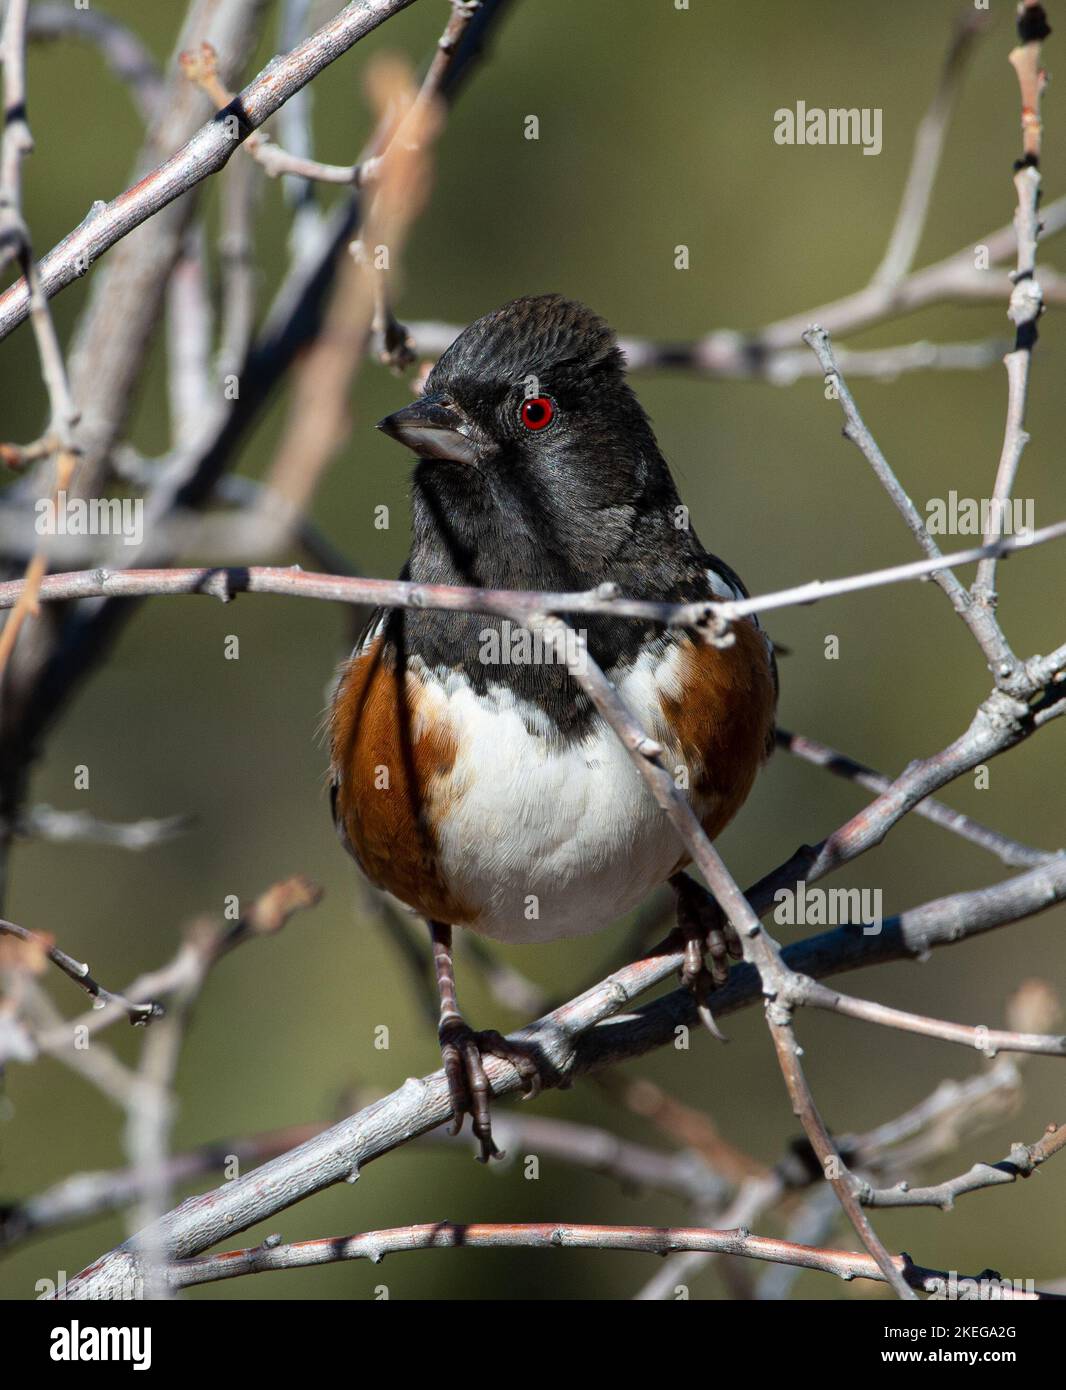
{"points": [[935, 1126], [17, 141], [222, 583], [1022, 1161], [15, 243], [446, 1235], [85, 1196], [753, 1198], [205, 154], [571, 1042], [110, 349], [990, 1041], [151, 1105], [237, 267], [82, 827], [771, 354], [1026, 300], [682, 1124], [267, 915], [78, 971], [408, 121], [1008, 851], [190, 330], [586, 1034], [113, 345], [1001, 660], [925, 161], [98, 1064], [760, 950]]}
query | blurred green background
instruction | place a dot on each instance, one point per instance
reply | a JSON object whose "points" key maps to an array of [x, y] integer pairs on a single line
{"points": [[655, 129]]}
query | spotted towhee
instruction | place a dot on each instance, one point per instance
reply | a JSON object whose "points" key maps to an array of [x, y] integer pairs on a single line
{"points": [[475, 781]]}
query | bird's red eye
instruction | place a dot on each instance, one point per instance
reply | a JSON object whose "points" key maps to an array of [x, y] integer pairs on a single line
{"points": [[537, 412]]}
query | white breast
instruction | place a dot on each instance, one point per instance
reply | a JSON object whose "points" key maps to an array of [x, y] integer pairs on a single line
{"points": [[548, 841]]}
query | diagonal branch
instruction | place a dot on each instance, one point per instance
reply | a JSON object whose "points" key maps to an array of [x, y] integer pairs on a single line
{"points": [[1008, 851], [205, 154], [1022, 1161], [928, 150], [1001, 660], [78, 971]]}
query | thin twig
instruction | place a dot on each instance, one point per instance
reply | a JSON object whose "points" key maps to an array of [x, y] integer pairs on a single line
{"points": [[1022, 1161], [237, 269], [1008, 851], [15, 242], [989, 1041], [205, 154], [730, 356], [753, 1198], [78, 971], [267, 915], [190, 330], [760, 950], [45, 822], [224, 583], [770, 353], [1026, 300], [925, 160], [1001, 660], [446, 1235]]}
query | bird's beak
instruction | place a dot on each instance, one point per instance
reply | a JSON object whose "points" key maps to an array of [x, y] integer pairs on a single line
{"points": [[434, 428]]}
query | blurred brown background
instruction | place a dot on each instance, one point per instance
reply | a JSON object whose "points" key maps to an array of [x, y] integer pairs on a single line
{"points": [[655, 129]]}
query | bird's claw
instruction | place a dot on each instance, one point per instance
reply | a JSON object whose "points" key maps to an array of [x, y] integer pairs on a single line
{"points": [[462, 1050], [710, 943]]}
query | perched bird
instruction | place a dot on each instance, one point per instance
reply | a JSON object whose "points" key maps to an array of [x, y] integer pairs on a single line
{"points": [[470, 776]]}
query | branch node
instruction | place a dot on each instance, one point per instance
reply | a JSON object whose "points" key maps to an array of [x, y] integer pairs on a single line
{"points": [[779, 1015]]}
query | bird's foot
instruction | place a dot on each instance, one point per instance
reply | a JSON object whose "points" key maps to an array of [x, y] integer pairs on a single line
{"points": [[462, 1051], [711, 942]]}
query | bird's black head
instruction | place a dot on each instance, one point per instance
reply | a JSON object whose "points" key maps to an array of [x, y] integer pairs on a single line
{"points": [[538, 464]]}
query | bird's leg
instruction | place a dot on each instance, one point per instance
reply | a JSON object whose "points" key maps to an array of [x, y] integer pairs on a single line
{"points": [[710, 941], [462, 1049]]}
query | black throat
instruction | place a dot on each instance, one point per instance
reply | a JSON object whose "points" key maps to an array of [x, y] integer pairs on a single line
{"points": [[525, 533]]}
